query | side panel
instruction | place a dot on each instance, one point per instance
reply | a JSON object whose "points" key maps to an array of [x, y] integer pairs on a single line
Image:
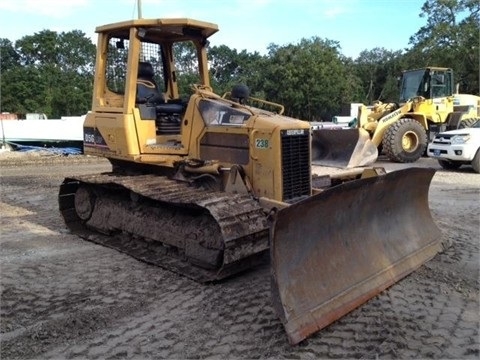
{"points": [[110, 135], [229, 148], [266, 164]]}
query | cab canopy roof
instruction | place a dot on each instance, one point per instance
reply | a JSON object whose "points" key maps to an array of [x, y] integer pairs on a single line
{"points": [[166, 29], [429, 68]]}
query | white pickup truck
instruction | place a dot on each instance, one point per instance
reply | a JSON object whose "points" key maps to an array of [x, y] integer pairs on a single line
{"points": [[458, 147]]}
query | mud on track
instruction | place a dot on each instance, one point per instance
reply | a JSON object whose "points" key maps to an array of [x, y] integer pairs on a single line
{"points": [[65, 298]]}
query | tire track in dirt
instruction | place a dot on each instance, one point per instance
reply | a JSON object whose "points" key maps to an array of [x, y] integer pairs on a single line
{"points": [[63, 297]]}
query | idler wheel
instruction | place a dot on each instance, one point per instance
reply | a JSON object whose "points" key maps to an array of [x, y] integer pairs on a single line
{"points": [[84, 202]]}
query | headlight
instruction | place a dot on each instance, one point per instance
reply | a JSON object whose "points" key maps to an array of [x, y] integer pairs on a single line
{"points": [[460, 139]]}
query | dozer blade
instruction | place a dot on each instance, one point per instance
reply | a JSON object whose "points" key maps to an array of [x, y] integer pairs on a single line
{"points": [[333, 251], [344, 148]]}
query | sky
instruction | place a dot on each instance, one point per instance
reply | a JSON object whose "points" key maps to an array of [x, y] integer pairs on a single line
{"points": [[250, 25]]}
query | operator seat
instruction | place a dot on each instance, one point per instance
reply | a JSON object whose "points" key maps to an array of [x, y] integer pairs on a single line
{"points": [[147, 88]]}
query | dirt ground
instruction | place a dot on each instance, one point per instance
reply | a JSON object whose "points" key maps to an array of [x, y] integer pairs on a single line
{"points": [[66, 298]]}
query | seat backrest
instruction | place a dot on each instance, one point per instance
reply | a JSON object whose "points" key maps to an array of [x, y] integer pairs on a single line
{"points": [[145, 71], [147, 89]]}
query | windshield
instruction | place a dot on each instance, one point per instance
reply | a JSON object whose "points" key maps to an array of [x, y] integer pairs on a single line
{"points": [[412, 84], [429, 83], [476, 124]]}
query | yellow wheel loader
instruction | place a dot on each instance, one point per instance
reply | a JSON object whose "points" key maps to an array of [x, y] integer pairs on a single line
{"points": [[208, 186], [427, 106]]}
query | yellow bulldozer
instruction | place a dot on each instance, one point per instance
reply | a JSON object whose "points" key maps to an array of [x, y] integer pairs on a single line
{"points": [[428, 105], [208, 186]]}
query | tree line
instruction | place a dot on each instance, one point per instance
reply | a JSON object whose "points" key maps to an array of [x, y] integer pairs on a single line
{"points": [[52, 73]]}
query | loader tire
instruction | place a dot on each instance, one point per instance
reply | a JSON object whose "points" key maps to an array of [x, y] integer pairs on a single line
{"points": [[449, 165], [476, 162], [467, 123], [405, 141]]}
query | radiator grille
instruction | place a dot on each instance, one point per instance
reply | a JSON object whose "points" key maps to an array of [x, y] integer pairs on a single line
{"points": [[295, 164], [443, 139]]}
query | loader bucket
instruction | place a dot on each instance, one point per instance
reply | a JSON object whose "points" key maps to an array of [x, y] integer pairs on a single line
{"points": [[334, 251], [345, 148]]}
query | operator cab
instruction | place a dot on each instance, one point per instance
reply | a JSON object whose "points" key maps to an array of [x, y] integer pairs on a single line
{"points": [[430, 83], [143, 65]]}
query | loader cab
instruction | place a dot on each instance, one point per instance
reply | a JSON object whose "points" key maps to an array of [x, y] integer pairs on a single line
{"points": [[430, 83]]}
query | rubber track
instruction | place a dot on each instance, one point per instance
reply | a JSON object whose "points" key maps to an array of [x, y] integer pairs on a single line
{"points": [[242, 222]]}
